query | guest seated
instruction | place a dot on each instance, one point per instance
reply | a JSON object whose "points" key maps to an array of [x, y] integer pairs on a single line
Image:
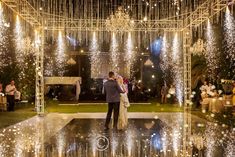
{"points": [[210, 90], [214, 94], [1, 90], [205, 100], [204, 87], [233, 94], [17, 96]]}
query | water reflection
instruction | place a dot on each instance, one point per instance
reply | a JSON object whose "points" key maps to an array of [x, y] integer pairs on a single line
{"points": [[86, 138]]}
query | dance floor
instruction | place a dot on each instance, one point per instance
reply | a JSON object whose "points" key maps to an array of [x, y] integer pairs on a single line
{"points": [[83, 135]]}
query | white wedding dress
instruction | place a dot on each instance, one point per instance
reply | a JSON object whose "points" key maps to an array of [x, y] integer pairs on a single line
{"points": [[124, 104]]}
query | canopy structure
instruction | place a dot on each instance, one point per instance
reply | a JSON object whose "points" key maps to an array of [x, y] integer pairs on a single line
{"points": [[65, 81], [182, 17]]}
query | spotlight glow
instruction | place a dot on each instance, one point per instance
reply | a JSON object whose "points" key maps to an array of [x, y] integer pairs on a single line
{"points": [[72, 41], [156, 46]]}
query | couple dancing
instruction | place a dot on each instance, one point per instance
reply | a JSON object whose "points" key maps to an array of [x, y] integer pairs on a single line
{"points": [[116, 97]]}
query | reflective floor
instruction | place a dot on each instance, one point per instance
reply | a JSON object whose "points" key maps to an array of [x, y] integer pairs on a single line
{"points": [[82, 135]]}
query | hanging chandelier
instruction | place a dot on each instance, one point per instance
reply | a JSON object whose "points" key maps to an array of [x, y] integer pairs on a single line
{"points": [[119, 22]]}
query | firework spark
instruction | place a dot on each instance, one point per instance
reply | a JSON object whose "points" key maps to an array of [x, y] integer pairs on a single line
{"points": [[95, 56], [230, 144], [60, 50], [165, 142], [229, 30], [3, 37], [210, 140], [164, 56], [177, 134], [114, 53], [176, 49], [211, 51], [129, 54], [177, 69], [19, 41], [48, 70]]}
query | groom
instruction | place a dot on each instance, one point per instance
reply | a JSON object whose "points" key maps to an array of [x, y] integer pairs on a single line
{"points": [[112, 91]]}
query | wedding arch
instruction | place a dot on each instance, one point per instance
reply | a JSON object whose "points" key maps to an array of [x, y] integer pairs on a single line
{"points": [[75, 81]]}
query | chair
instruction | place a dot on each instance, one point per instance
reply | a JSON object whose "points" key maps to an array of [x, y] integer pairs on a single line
{"points": [[3, 103], [228, 103]]}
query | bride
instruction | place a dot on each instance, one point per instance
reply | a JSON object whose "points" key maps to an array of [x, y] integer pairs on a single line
{"points": [[124, 104]]}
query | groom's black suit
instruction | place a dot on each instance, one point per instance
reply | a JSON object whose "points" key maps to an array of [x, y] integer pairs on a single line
{"points": [[112, 91]]}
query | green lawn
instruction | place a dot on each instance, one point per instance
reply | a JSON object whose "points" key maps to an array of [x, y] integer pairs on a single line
{"points": [[21, 113], [10, 118], [52, 106], [26, 111]]}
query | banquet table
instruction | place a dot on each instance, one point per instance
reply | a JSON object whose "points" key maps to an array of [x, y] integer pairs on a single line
{"points": [[216, 105], [3, 103]]}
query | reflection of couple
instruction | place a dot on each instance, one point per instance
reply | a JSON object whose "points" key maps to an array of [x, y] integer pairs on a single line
{"points": [[116, 97]]}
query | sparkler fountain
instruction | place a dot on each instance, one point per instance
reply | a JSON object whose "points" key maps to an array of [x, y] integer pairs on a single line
{"points": [[129, 55], [211, 54], [229, 31], [164, 64], [3, 37], [177, 67], [114, 52], [95, 56], [147, 25], [19, 38], [60, 54]]}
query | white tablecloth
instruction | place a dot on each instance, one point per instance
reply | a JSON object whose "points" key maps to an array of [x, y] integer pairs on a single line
{"points": [[216, 105]]}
